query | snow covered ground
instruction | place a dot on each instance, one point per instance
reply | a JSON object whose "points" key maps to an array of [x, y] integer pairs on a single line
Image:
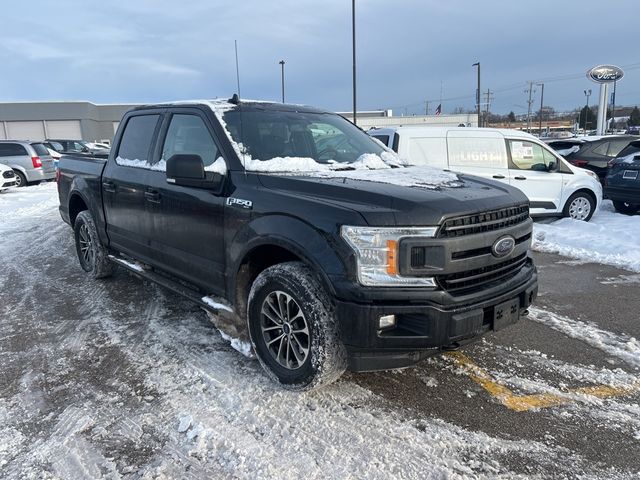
{"points": [[121, 379], [609, 238]]}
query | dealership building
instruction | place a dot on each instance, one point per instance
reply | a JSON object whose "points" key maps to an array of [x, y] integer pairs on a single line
{"points": [[99, 122], [64, 120]]}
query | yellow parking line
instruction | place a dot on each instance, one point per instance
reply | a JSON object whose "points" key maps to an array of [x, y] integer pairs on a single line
{"points": [[523, 403]]}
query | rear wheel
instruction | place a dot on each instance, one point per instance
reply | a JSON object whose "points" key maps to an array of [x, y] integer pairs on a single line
{"points": [[21, 180], [626, 208], [580, 206], [293, 328], [91, 253]]}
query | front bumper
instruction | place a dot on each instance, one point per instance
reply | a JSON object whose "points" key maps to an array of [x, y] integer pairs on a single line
{"points": [[424, 329]]}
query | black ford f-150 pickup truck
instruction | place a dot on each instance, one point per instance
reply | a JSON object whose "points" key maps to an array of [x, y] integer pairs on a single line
{"points": [[326, 249]]}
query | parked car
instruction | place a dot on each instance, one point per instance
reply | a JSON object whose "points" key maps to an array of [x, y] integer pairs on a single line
{"points": [[331, 259], [512, 157], [622, 183], [7, 177], [592, 153], [54, 150], [30, 161], [77, 147]]}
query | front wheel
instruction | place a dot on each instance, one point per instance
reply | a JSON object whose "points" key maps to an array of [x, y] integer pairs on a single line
{"points": [[626, 208], [21, 180], [92, 255], [580, 206], [294, 329]]}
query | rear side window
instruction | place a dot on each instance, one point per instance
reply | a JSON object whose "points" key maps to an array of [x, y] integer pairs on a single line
{"points": [[615, 146], [12, 149], [383, 138], [40, 149], [632, 148], [135, 145], [601, 149]]}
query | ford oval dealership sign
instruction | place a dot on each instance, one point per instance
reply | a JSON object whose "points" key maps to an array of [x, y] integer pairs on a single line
{"points": [[605, 74]]}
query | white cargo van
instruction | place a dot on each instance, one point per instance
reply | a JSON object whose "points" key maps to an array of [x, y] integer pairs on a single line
{"points": [[554, 186]]}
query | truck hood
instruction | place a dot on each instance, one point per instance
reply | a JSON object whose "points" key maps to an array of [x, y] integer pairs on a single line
{"points": [[385, 203]]}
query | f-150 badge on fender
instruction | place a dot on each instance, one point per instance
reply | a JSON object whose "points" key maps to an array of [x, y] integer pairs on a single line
{"points": [[248, 204]]}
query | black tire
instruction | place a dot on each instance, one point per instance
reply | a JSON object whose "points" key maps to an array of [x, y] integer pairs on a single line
{"points": [[21, 180], [626, 208], [580, 206], [91, 253], [325, 359]]}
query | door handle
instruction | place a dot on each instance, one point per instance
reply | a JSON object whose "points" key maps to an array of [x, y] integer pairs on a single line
{"points": [[152, 196], [520, 178], [108, 186], [498, 176]]}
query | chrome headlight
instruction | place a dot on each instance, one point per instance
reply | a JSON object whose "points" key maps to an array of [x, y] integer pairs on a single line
{"points": [[377, 252]]}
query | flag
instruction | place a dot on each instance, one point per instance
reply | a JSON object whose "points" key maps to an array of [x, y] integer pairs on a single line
{"points": [[439, 109]]}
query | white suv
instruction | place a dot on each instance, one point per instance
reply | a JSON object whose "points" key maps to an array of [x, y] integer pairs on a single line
{"points": [[553, 185]]}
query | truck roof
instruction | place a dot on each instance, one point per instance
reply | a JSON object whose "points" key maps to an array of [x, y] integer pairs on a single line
{"points": [[222, 105]]}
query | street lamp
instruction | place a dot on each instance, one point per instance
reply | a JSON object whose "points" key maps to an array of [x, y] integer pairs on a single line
{"points": [[587, 94], [353, 39], [281, 62], [477, 64]]}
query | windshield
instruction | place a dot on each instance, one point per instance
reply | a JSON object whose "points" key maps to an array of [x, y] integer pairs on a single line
{"points": [[325, 138]]}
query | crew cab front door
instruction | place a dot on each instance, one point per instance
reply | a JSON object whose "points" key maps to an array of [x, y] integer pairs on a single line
{"points": [[188, 222], [534, 170]]}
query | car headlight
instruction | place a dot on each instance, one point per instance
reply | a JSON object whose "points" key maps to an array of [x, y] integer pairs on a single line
{"points": [[377, 252], [593, 174]]}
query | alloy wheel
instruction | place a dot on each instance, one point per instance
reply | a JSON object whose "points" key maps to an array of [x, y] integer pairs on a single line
{"points": [[284, 330], [86, 246]]}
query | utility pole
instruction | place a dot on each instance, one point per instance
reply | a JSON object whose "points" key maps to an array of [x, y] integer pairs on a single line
{"points": [[477, 64], [529, 102], [541, 107], [353, 35], [613, 107], [426, 107], [486, 110], [282, 65]]}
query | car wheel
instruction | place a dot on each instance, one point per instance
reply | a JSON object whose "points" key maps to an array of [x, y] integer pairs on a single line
{"points": [[294, 329], [21, 180], [626, 208], [580, 206], [92, 255]]}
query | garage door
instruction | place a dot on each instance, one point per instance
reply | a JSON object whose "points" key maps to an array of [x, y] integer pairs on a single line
{"points": [[25, 130], [3, 134], [64, 129]]}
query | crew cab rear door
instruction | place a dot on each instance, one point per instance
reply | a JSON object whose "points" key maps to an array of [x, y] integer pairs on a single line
{"points": [[124, 183], [188, 222]]}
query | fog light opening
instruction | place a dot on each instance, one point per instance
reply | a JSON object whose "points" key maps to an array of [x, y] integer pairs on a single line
{"points": [[387, 321]]}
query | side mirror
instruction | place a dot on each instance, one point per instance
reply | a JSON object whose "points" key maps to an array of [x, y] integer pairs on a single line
{"points": [[551, 166], [188, 170], [85, 150]]}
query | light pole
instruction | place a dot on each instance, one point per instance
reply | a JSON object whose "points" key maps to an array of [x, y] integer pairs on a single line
{"points": [[477, 64], [587, 94], [353, 35], [281, 62]]}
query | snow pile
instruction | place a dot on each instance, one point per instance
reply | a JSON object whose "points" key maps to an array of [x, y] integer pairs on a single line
{"points": [[128, 162], [609, 238]]}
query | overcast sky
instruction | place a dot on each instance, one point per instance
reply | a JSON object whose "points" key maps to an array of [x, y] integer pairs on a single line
{"points": [[154, 50]]}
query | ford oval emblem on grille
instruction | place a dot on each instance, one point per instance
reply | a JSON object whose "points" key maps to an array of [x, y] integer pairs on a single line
{"points": [[503, 246]]}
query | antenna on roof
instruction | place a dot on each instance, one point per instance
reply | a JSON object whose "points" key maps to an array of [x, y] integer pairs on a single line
{"points": [[237, 70]]}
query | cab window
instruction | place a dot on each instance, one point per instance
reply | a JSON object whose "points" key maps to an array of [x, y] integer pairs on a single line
{"points": [[188, 135], [530, 156]]}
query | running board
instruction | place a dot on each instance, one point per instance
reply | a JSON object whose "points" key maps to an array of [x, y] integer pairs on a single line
{"points": [[212, 304]]}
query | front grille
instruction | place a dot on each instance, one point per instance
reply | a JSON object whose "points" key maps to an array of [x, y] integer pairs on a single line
{"points": [[8, 174], [473, 280], [484, 222]]}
